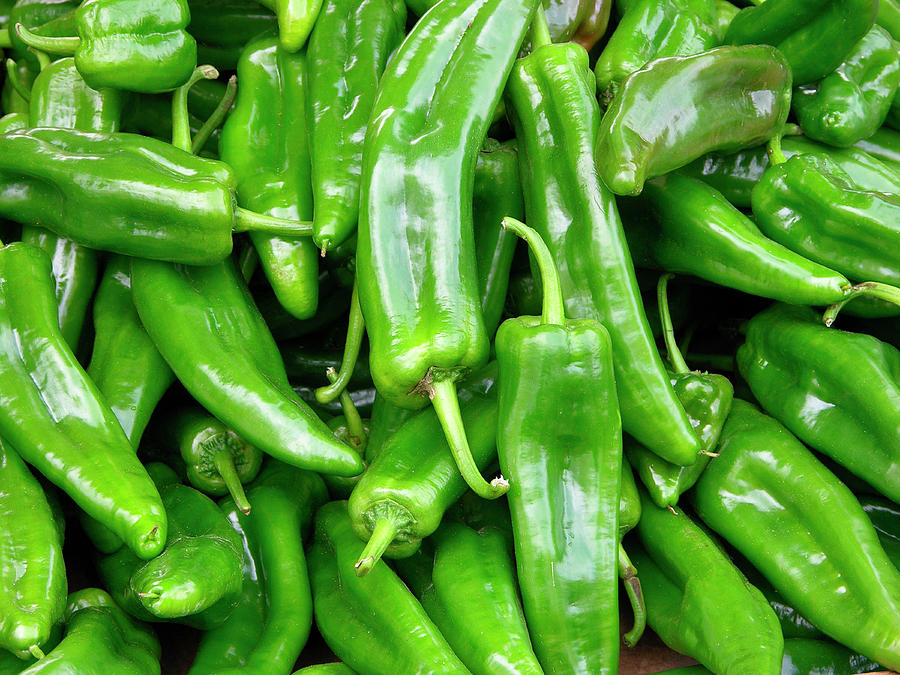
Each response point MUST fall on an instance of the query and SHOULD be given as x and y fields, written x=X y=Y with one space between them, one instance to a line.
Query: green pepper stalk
x=119 y=46
x=33 y=573
x=565 y=476
x=216 y=117
x=356 y=327
x=706 y=398
x=265 y=141
x=771 y=499
x=434 y=105
x=375 y=625
x=12 y=76
x=629 y=515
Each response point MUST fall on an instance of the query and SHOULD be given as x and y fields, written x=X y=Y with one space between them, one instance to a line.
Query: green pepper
x=550 y=97
x=100 y=638
x=885 y=145
x=46 y=17
x=594 y=23
x=296 y=19
x=434 y=105
x=706 y=398
x=196 y=580
x=565 y=475
x=223 y=28
x=698 y=602
x=236 y=373
x=814 y=36
x=652 y=29
x=773 y=501
x=185 y=205
x=326 y=669
x=32 y=574
x=386 y=420
x=348 y=50
x=124 y=44
x=265 y=141
x=838 y=391
x=452 y=583
x=284 y=499
x=374 y=625
x=850 y=103
x=793 y=623
x=404 y=493
x=681 y=224
x=13 y=122
x=676 y=109
x=51 y=410
x=885 y=518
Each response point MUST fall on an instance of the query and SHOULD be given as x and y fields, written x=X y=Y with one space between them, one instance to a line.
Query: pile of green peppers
x=344 y=333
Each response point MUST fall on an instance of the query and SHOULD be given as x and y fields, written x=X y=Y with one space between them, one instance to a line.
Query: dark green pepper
x=223 y=27
x=565 y=475
x=678 y=108
x=770 y=498
x=850 y=103
x=126 y=44
x=813 y=35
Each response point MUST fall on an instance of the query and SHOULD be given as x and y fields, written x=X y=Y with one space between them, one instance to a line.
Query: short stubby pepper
x=771 y=499
x=563 y=456
x=676 y=109
x=838 y=391
x=813 y=35
x=811 y=206
x=124 y=44
x=850 y=103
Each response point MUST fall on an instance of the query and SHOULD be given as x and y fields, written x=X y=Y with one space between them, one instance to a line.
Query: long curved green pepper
x=467 y=566
x=265 y=141
x=698 y=602
x=553 y=89
x=348 y=50
x=706 y=398
x=32 y=573
x=375 y=625
x=564 y=492
x=431 y=116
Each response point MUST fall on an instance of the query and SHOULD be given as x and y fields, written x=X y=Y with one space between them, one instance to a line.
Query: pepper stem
x=217 y=116
x=181 y=125
x=382 y=536
x=872 y=289
x=776 y=154
x=662 y=299
x=446 y=405
x=628 y=574
x=36 y=652
x=64 y=46
x=355 y=428
x=553 y=310
x=13 y=76
x=540 y=29
x=251 y=221
x=356 y=329
x=223 y=460
x=42 y=58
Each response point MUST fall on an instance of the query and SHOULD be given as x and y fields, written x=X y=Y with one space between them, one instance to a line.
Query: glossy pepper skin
x=404 y=493
x=284 y=500
x=698 y=602
x=223 y=28
x=723 y=99
x=32 y=575
x=296 y=19
x=706 y=398
x=264 y=140
x=125 y=364
x=811 y=206
x=564 y=488
x=60 y=98
x=126 y=44
x=814 y=36
x=850 y=103
x=196 y=580
x=348 y=50
x=576 y=216
x=651 y=29
x=375 y=625
x=100 y=638
x=837 y=391
x=51 y=420
x=770 y=498
x=451 y=583
x=885 y=518
x=46 y=17
x=176 y=304
x=885 y=145
x=430 y=118
x=386 y=419
x=683 y=225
